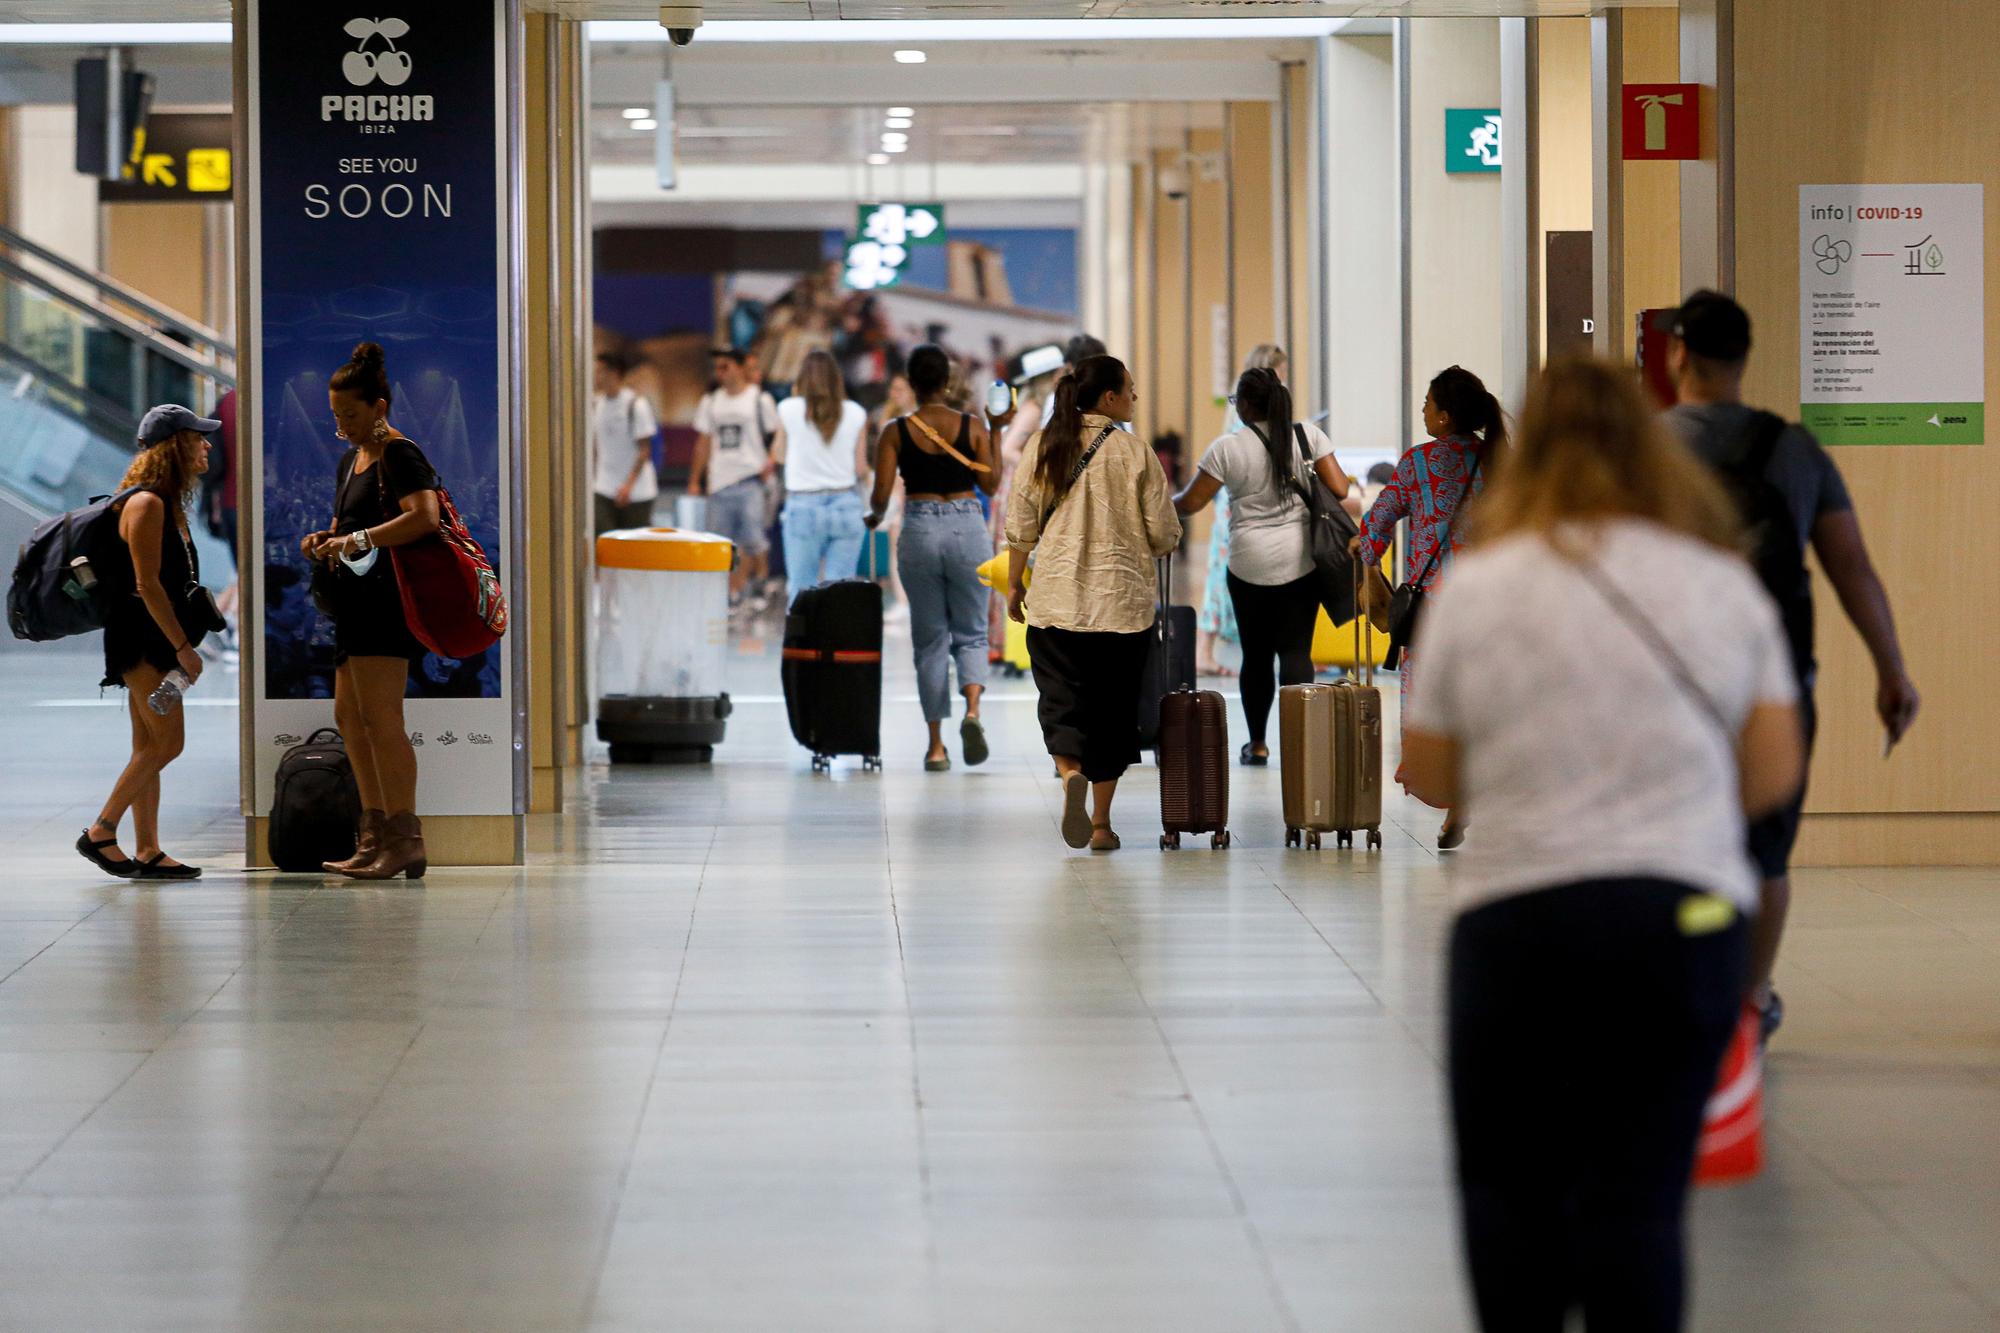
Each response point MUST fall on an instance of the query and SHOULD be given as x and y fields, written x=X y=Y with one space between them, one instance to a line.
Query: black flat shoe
x=93 y=852
x=150 y=868
x=1249 y=757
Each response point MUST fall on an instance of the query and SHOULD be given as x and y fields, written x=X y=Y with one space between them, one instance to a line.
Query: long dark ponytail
x=1062 y=439
x=1263 y=401
x=1462 y=396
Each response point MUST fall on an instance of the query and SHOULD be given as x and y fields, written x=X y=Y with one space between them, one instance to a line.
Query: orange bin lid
x=671 y=549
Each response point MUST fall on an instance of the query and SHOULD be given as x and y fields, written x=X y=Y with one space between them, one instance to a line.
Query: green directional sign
x=901 y=224
x=1471 y=140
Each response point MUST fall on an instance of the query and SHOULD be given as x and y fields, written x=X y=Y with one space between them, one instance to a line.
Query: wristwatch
x=362 y=542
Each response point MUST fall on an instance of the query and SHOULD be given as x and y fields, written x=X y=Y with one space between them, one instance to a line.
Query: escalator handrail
x=100 y=413
x=200 y=334
x=131 y=328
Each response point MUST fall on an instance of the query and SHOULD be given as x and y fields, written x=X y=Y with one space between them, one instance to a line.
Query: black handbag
x=1406 y=599
x=1330 y=532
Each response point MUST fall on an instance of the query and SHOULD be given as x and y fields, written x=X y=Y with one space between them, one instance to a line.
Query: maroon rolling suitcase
x=1193 y=754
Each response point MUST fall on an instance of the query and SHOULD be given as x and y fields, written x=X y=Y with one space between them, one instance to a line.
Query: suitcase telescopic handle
x=1164 y=570
x=1364 y=629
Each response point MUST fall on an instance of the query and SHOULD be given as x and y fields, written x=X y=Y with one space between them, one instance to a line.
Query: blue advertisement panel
x=379 y=214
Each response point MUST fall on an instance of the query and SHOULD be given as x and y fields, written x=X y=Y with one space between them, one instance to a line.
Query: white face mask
x=360 y=564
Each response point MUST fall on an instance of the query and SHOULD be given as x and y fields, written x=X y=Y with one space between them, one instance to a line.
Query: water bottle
x=169 y=692
x=999 y=398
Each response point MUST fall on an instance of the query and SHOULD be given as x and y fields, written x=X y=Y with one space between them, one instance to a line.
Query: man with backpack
x=1791 y=496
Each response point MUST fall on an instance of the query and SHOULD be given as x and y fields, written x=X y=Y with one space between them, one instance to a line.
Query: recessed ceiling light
x=895 y=139
x=899 y=122
x=647 y=124
x=911 y=57
x=895 y=148
x=878 y=159
x=638 y=112
x=902 y=111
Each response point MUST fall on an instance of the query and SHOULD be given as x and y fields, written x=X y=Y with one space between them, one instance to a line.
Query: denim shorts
x=737 y=512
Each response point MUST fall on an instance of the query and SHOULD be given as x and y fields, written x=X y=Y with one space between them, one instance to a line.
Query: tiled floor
x=746 y=1048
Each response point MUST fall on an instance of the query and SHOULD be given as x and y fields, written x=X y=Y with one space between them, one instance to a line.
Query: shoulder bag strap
x=944 y=445
x=1649 y=634
x=1444 y=535
x=1076 y=472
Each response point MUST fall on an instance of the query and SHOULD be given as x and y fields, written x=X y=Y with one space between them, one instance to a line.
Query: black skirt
x=1089 y=684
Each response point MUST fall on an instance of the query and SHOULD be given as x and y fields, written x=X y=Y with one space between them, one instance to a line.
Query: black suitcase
x=1169 y=667
x=833 y=671
x=316 y=807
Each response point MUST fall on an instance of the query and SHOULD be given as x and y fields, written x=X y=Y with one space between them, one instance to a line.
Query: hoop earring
x=381 y=431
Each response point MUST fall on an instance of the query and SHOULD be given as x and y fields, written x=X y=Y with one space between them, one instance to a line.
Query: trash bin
x=662 y=636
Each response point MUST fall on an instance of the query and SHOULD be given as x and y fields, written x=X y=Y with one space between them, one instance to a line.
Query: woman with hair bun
x=386 y=495
x=1433 y=481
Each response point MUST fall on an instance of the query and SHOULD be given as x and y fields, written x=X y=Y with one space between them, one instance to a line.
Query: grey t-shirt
x=1801 y=470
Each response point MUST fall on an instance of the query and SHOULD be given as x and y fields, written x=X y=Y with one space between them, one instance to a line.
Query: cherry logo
x=362 y=66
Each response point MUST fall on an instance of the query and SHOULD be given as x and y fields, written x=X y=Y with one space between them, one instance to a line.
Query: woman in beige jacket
x=1092 y=505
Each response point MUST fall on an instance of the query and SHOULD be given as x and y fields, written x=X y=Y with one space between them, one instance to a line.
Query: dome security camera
x=1174 y=182
x=680 y=21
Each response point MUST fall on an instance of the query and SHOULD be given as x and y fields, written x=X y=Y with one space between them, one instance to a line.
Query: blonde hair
x=825 y=392
x=166 y=467
x=1590 y=448
x=1266 y=356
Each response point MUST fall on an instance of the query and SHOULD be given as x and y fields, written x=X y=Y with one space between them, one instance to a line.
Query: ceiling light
x=637 y=112
x=878 y=159
x=911 y=57
x=899 y=122
x=895 y=148
x=892 y=139
x=902 y=111
x=647 y=124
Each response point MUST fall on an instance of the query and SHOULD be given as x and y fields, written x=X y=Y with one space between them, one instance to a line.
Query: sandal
x=972 y=736
x=93 y=852
x=1249 y=757
x=152 y=868
x=1110 y=841
x=1076 y=816
x=942 y=764
x=1452 y=836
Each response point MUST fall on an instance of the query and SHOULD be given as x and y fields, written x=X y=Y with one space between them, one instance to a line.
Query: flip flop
x=1076 y=812
x=93 y=852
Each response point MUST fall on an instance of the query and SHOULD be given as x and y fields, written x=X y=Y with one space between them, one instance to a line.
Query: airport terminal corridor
x=747 y=1047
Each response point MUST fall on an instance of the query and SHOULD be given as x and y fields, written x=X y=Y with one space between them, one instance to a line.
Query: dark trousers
x=611 y=516
x=1089 y=685
x=1274 y=621
x=1587 y=1024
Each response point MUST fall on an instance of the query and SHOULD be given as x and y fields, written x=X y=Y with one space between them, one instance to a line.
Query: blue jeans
x=944 y=542
x=822 y=537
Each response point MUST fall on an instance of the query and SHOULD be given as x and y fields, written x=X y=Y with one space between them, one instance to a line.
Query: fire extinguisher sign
x=1662 y=122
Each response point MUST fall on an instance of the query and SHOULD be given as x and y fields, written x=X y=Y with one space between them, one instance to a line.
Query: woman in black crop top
x=943 y=457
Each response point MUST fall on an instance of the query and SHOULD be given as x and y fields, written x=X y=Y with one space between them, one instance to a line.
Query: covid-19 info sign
x=378 y=212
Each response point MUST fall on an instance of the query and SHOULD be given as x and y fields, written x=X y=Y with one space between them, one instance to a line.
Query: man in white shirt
x=622 y=427
x=738 y=425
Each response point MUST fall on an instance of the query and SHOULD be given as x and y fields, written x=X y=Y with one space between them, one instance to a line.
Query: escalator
x=81 y=359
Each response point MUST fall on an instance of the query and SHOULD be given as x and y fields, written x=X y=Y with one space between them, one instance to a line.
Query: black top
x=130 y=636
x=928 y=473
x=367 y=499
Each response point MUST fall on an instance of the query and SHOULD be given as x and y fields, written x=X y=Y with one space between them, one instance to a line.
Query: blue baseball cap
x=170 y=419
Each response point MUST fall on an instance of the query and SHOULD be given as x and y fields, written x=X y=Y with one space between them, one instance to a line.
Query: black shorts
x=368 y=615
x=1771 y=837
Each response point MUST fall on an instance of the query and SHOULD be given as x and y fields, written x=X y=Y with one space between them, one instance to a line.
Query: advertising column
x=380 y=211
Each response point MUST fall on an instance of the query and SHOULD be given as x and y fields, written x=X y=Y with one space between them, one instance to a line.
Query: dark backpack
x=65 y=572
x=1777 y=547
x=317 y=805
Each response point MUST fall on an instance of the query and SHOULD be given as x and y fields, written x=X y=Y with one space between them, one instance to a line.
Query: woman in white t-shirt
x=1271 y=580
x=822 y=450
x=1606 y=686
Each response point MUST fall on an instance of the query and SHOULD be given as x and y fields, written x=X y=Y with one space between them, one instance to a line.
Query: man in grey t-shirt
x=1707 y=357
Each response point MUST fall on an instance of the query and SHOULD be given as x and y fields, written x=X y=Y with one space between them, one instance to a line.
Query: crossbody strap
x=1649 y=634
x=943 y=444
x=1444 y=536
x=1076 y=472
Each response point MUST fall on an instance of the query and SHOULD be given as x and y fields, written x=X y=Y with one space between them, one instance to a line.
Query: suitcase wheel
x=1291 y=836
x=1311 y=841
x=1344 y=838
x=1169 y=841
x=871 y=763
x=1219 y=839
x=1375 y=840
x=822 y=763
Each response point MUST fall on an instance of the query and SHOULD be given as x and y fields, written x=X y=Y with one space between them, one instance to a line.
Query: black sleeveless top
x=926 y=473
x=130 y=636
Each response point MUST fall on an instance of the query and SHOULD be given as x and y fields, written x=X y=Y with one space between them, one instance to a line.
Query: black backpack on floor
x=317 y=806
x=60 y=576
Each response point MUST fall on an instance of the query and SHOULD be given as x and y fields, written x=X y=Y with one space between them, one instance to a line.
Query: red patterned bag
x=451 y=596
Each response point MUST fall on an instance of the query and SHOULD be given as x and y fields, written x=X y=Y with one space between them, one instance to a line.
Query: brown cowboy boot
x=402 y=851
x=367 y=843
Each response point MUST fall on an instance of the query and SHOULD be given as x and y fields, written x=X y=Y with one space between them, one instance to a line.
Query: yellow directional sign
x=176 y=158
x=208 y=170
x=158 y=169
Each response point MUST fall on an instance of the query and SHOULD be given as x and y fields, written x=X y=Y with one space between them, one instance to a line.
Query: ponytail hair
x=1263 y=401
x=365 y=375
x=1463 y=397
x=1078 y=392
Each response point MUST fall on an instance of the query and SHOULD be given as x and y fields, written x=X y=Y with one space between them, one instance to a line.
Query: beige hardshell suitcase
x=1330 y=741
